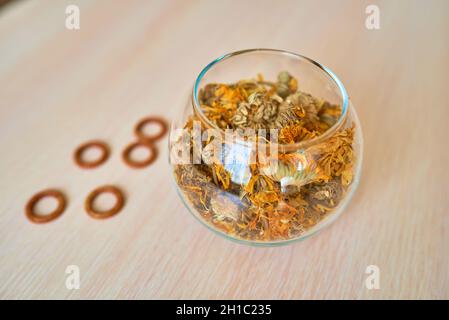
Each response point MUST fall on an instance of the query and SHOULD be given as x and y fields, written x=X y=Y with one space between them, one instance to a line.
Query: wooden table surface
x=60 y=87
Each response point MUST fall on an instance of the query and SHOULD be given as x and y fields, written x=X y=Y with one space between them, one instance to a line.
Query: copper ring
x=29 y=208
x=138 y=130
x=89 y=203
x=91 y=144
x=139 y=164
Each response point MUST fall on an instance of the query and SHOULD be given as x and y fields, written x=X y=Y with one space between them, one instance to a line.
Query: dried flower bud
x=265 y=201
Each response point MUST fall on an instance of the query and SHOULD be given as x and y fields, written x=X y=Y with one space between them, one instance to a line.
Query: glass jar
x=252 y=188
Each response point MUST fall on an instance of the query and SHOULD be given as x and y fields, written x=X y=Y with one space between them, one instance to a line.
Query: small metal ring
x=126 y=155
x=89 y=203
x=29 y=208
x=138 y=130
x=78 y=155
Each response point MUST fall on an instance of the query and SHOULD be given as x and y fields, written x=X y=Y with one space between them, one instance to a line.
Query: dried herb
x=262 y=201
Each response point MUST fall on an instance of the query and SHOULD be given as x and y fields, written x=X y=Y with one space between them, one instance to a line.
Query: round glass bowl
x=253 y=186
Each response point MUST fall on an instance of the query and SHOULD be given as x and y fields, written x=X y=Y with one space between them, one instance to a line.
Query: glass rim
x=326 y=70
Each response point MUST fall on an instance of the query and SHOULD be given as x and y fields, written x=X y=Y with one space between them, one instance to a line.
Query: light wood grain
x=59 y=88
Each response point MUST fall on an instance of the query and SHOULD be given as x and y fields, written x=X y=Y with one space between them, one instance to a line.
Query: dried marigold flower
x=270 y=200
